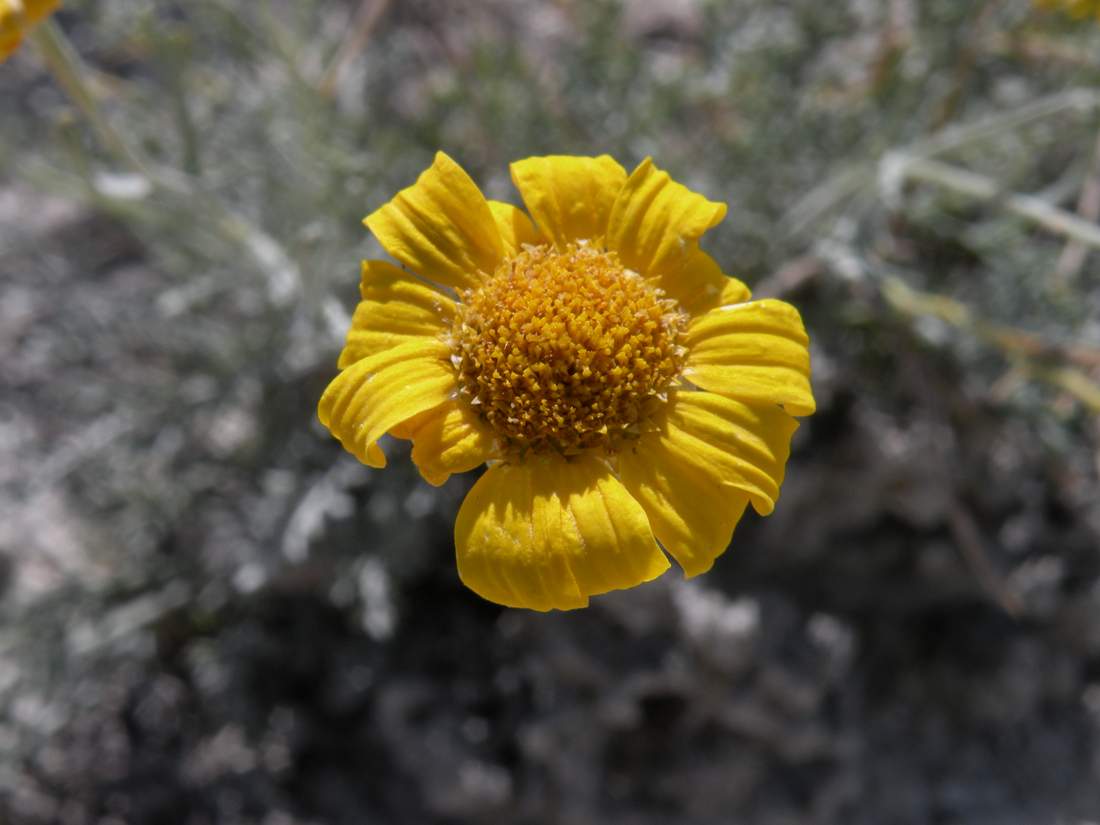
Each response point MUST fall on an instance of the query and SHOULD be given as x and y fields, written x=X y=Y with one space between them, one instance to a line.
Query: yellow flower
x=1076 y=8
x=622 y=389
x=17 y=17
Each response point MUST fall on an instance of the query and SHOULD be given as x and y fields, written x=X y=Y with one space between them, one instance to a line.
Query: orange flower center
x=566 y=351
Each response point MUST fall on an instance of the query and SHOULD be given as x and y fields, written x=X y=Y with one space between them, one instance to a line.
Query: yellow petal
x=36 y=10
x=405 y=429
x=396 y=308
x=448 y=439
x=9 y=43
x=515 y=227
x=696 y=472
x=700 y=285
x=756 y=352
x=569 y=197
x=655 y=222
x=377 y=393
x=692 y=514
x=441 y=227
x=549 y=533
x=747 y=445
x=11 y=29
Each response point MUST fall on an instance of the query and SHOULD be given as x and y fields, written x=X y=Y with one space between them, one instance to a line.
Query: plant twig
x=849 y=182
x=1040 y=48
x=898 y=167
x=1061 y=366
x=1080 y=99
x=1088 y=207
x=69 y=70
x=790 y=277
x=358 y=35
x=827 y=197
x=968 y=538
x=964 y=64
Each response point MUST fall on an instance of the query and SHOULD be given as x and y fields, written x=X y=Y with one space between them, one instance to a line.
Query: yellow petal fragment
x=695 y=474
x=515 y=227
x=569 y=197
x=37 y=10
x=9 y=42
x=700 y=285
x=441 y=227
x=396 y=308
x=1078 y=9
x=377 y=393
x=11 y=29
x=655 y=222
x=757 y=352
x=747 y=445
x=446 y=440
x=549 y=533
x=406 y=428
x=692 y=514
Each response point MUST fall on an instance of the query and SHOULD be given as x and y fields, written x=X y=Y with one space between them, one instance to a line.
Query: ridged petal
x=441 y=227
x=515 y=227
x=569 y=197
x=396 y=309
x=549 y=533
x=655 y=222
x=700 y=285
x=696 y=472
x=756 y=352
x=377 y=393
x=747 y=445
x=692 y=514
x=448 y=439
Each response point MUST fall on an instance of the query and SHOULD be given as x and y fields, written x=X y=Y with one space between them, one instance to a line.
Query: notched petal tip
x=449 y=439
x=569 y=197
x=441 y=227
x=377 y=393
x=549 y=533
x=375 y=457
x=515 y=227
x=700 y=285
x=655 y=222
x=395 y=308
x=756 y=352
x=695 y=474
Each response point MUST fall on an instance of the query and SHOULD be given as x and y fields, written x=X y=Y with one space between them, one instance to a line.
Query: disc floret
x=564 y=351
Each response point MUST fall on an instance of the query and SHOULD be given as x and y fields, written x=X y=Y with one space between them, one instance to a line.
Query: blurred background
x=210 y=613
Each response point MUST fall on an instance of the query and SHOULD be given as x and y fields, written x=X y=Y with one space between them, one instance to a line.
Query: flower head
x=1079 y=9
x=17 y=17
x=622 y=389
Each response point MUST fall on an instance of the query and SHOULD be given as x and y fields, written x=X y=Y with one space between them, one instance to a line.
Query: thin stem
x=899 y=167
x=1088 y=208
x=824 y=199
x=1080 y=100
x=851 y=181
x=1036 y=357
x=283 y=276
x=1039 y=48
x=964 y=65
x=71 y=72
x=358 y=35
